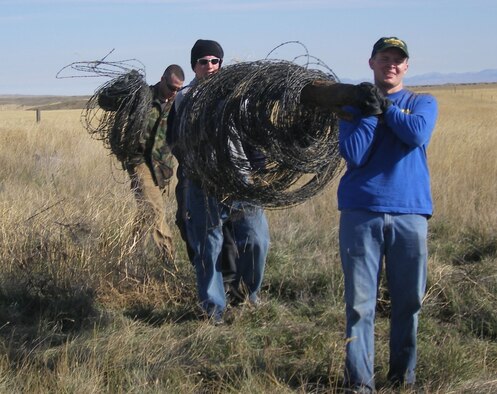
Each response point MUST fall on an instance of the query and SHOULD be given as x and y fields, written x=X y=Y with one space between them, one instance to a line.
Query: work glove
x=385 y=102
x=162 y=172
x=369 y=99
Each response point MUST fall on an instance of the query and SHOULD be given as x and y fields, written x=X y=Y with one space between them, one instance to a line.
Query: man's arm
x=356 y=139
x=415 y=126
x=333 y=96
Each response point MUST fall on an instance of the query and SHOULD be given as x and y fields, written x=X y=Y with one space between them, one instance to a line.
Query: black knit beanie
x=206 y=48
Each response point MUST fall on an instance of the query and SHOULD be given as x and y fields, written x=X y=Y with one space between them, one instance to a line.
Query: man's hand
x=368 y=98
x=162 y=174
x=384 y=102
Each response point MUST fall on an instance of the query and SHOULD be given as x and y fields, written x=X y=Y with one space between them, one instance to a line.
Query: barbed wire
x=101 y=68
x=117 y=111
x=245 y=114
x=117 y=114
x=305 y=59
x=256 y=106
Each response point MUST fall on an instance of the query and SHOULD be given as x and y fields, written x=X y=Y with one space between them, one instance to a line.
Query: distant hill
x=45 y=102
x=429 y=79
x=484 y=76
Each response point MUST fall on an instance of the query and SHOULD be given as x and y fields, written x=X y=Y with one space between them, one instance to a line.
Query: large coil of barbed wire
x=117 y=114
x=255 y=106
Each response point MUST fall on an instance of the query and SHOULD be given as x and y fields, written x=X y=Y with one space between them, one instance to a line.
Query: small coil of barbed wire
x=117 y=111
x=256 y=106
x=117 y=115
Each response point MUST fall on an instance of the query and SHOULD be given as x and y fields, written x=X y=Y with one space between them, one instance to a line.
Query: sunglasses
x=203 y=62
x=172 y=88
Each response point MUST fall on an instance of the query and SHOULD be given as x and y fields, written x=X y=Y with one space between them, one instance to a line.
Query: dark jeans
x=206 y=219
x=229 y=252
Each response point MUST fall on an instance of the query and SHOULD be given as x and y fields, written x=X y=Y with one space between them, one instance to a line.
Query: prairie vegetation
x=82 y=310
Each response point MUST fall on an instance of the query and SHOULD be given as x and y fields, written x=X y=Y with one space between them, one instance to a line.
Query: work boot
x=233 y=296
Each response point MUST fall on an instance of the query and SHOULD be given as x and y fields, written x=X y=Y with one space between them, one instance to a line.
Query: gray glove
x=369 y=99
x=384 y=103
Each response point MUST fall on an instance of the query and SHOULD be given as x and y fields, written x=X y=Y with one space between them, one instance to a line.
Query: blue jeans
x=251 y=233
x=366 y=238
x=204 y=227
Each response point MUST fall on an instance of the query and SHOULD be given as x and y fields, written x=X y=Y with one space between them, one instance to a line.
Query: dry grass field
x=82 y=310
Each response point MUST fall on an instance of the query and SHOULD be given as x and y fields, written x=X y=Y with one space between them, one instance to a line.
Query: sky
x=38 y=38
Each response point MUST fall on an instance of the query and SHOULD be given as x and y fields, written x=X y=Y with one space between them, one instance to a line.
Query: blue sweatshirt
x=387 y=169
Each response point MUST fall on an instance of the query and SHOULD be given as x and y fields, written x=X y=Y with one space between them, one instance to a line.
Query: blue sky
x=38 y=38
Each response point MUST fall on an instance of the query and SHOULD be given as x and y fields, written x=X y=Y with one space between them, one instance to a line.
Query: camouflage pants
x=150 y=219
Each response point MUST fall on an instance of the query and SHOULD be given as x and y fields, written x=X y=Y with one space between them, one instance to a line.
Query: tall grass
x=462 y=158
x=83 y=309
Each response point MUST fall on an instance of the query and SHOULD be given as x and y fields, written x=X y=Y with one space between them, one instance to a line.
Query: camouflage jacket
x=158 y=155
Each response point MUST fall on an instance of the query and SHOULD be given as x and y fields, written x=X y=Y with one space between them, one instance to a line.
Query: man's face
x=206 y=65
x=171 y=86
x=389 y=67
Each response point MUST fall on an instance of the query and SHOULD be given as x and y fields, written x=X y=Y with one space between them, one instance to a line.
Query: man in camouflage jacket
x=150 y=174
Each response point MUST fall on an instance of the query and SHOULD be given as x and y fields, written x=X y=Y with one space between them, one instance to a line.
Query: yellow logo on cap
x=395 y=42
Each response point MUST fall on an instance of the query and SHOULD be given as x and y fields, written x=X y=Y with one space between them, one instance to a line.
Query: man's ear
x=370 y=63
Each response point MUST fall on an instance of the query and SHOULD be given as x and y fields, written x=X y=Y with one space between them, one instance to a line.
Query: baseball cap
x=389 y=42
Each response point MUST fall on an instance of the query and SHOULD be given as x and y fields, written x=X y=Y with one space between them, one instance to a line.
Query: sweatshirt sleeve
x=356 y=139
x=415 y=125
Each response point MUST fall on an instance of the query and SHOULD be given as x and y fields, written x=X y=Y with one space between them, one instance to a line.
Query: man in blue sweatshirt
x=385 y=202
